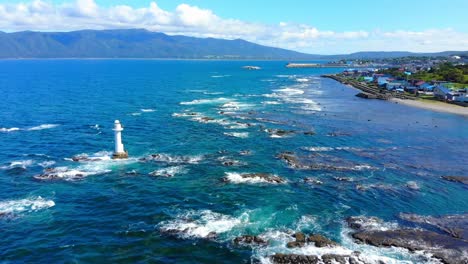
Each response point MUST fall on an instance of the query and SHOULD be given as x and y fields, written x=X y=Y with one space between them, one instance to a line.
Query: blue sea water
x=198 y=115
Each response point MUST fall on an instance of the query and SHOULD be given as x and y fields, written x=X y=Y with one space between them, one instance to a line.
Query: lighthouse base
x=120 y=155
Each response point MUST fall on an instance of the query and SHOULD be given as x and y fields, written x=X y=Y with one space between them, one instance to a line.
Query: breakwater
x=368 y=91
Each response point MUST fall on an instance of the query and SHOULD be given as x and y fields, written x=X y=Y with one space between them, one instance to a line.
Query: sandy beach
x=434 y=106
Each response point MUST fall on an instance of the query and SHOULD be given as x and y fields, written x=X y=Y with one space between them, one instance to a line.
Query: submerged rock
x=279 y=132
x=60 y=173
x=459 y=179
x=454 y=225
x=265 y=177
x=448 y=248
x=291 y=159
x=249 y=240
x=346 y=179
x=312 y=180
x=363 y=222
x=295 y=162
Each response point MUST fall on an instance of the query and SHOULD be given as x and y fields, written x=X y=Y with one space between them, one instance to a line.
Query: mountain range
x=140 y=43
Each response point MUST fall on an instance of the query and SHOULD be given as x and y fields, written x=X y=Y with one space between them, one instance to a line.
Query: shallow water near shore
x=210 y=123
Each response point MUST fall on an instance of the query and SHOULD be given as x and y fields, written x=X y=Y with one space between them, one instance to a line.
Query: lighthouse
x=119 y=152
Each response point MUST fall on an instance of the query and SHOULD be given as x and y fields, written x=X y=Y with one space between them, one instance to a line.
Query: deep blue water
x=116 y=211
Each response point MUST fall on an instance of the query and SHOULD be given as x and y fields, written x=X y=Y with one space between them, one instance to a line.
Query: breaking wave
x=202 y=224
x=237 y=134
x=14 y=207
x=206 y=101
x=169 y=171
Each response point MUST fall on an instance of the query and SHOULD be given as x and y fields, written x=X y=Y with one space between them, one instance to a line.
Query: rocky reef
x=459 y=179
x=450 y=246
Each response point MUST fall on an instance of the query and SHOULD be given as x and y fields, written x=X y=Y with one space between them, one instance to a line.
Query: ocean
x=205 y=142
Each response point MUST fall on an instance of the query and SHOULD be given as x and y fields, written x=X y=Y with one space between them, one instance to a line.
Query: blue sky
x=325 y=27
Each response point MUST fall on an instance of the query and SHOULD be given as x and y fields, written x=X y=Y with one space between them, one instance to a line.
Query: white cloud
x=200 y=22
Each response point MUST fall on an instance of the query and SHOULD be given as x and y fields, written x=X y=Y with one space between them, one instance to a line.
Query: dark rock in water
x=207 y=119
x=347 y=179
x=446 y=248
x=79 y=158
x=245 y=152
x=294 y=162
x=279 y=132
x=338 y=133
x=321 y=241
x=454 y=225
x=312 y=259
x=412 y=185
x=300 y=237
x=294 y=258
x=250 y=240
x=450 y=249
x=132 y=172
x=459 y=179
x=295 y=244
x=366 y=95
x=312 y=180
x=211 y=235
x=265 y=176
x=363 y=222
x=309 y=133
x=291 y=159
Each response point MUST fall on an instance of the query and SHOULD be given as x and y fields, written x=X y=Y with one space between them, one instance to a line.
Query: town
x=438 y=79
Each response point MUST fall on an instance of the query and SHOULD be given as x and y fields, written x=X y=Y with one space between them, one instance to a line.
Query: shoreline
x=404 y=100
x=435 y=106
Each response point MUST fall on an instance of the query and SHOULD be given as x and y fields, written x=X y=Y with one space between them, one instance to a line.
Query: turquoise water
x=199 y=115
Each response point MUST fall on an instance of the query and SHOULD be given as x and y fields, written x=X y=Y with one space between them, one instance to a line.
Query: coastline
x=405 y=100
x=434 y=106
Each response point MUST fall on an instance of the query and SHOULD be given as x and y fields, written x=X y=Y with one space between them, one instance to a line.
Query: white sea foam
x=4 y=129
x=206 y=101
x=238 y=125
x=170 y=171
x=290 y=91
x=237 y=178
x=302 y=80
x=70 y=174
x=46 y=164
x=237 y=134
x=278 y=239
x=220 y=76
x=234 y=106
x=202 y=224
x=187 y=114
x=33 y=204
x=147 y=110
x=42 y=127
x=318 y=149
x=136 y=114
x=18 y=164
x=213 y=93
x=271 y=103
x=172 y=159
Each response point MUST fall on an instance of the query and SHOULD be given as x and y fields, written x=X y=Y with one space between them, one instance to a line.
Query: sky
x=317 y=27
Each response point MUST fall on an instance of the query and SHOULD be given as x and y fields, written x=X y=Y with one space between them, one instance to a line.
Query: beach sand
x=434 y=106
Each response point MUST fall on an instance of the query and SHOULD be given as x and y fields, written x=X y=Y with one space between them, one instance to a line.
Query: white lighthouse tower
x=119 y=152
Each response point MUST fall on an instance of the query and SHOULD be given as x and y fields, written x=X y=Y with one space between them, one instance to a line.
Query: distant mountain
x=390 y=54
x=140 y=43
x=132 y=43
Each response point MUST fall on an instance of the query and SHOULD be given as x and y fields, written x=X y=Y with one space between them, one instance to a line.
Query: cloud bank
x=199 y=22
